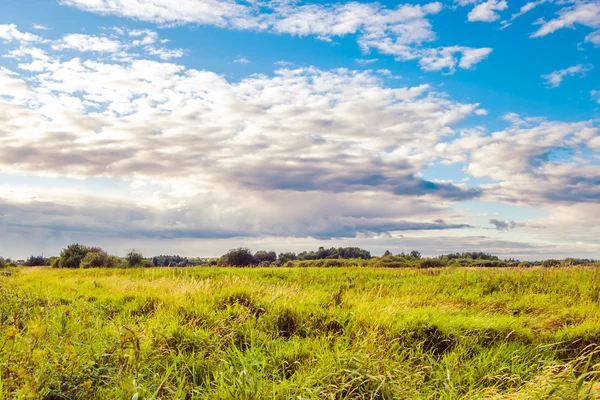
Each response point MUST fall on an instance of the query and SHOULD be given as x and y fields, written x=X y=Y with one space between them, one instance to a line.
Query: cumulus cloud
x=547 y=164
x=486 y=12
x=582 y=12
x=9 y=33
x=555 y=78
x=339 y=147
x=399 y=31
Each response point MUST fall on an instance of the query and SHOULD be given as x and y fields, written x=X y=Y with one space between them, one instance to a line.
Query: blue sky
x=197 y=126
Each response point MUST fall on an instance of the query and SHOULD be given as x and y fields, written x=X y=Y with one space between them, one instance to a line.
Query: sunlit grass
x=264 y=333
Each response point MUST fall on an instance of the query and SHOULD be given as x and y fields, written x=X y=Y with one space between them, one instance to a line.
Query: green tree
x=241 y=257
x=415 y=254
x=37 y=261
x=285 y=257
x=265 y=256
x=95 y=258
x=72 y=255
x=134 y=258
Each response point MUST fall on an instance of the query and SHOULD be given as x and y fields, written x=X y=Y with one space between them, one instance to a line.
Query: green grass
x=304 y=333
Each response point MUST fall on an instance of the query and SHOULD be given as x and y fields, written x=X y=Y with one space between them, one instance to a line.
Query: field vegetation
x=299 y=333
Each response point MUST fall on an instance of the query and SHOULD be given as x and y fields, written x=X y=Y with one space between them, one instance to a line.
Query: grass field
x=304 y=333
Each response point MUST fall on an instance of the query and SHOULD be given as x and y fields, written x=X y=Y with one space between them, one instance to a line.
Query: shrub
x=2 y=262
x=430 y=263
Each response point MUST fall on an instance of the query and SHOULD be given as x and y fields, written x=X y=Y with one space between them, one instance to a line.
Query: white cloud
x=40 y=27
x=399 y=31
x=449 y=58
x=366 y=61
x=12 y=87
x=147 y=36
x=241 y=60
x=595 y=94
x=555 y=78
x=584 y=13
x=593 y=38
x=164 y=53
x=486 y=12
x=8 y=33
x=522 y=11
x=542 y=169
x=81 y=42
x=463 y=3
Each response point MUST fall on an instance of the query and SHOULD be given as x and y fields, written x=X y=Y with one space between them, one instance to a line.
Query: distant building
x=20 y=261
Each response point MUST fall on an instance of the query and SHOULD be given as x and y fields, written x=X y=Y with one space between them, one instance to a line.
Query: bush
x=2 y=262
x=430 y=263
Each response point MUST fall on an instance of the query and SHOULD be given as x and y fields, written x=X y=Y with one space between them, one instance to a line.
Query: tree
x=387 y=253
x=285 y=257
x=551 y=263
x=72 y=255
x=36 y=261
x=241 y=257
x=134 y=258
x=265 y=256
x=430 y=263
x=2 y=262
x=95 y=258
x=415 y=254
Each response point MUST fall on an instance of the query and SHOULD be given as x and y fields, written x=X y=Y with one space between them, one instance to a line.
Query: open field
x=303 y=333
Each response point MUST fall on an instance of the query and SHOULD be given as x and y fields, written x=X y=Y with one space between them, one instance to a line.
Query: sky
x=192 y=127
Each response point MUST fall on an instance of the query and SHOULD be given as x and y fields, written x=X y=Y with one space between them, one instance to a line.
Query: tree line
x=81 y=256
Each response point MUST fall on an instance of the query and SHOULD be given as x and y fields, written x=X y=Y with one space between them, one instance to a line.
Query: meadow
x=300 y=333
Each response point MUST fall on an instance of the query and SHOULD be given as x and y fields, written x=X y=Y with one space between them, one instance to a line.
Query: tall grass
x=262 y=333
